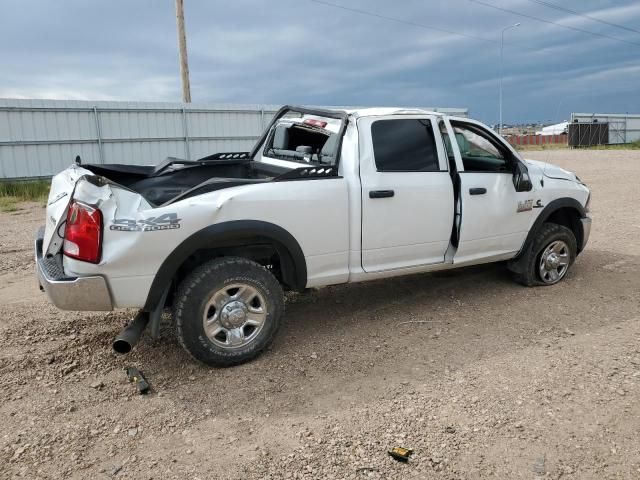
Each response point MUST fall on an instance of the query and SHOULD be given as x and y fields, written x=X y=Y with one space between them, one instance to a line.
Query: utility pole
x=501 y=68
x=182 y=52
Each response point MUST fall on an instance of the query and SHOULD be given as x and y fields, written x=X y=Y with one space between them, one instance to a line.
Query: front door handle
x=477 y=191
x=381 y=193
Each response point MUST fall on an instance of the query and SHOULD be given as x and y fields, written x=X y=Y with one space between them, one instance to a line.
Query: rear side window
x=404 y=145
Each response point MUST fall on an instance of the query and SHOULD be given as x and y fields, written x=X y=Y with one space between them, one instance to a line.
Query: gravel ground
x=491 y=380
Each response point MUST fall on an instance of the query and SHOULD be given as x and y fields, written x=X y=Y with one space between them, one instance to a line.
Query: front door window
x=480 y=152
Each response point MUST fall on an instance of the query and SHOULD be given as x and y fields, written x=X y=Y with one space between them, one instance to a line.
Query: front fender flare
x=555 y=205
x=548 y=210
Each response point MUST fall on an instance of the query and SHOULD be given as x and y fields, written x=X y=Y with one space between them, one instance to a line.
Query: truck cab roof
x=379 y=111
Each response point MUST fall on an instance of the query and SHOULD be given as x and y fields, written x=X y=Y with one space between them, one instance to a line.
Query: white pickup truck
x=325 y=197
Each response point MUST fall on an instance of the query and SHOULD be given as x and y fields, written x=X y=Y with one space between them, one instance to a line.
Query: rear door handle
x=477 y=191
x=381 y=193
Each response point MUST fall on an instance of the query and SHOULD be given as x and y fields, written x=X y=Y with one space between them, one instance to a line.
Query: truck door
x=492 y=219
x=407 y=193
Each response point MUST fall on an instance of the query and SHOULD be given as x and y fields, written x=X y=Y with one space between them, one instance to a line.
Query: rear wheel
x=227 y=311
x=552 y=253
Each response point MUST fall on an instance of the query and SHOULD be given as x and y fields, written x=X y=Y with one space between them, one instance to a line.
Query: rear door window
x=404 y=145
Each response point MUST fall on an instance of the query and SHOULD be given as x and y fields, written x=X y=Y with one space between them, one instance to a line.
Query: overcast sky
x=303 y=52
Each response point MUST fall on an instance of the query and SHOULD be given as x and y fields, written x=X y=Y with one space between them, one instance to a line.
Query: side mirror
x=521 y=179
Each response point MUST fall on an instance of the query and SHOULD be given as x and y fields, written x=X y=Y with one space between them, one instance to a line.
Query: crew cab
x=324 y=197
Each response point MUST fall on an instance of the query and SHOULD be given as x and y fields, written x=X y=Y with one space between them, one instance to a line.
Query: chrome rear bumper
x=69 y=293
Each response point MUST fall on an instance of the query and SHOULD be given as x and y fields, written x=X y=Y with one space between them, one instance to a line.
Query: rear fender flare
x=293 y=264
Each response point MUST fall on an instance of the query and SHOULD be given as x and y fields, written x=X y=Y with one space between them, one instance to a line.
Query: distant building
x=622 y=127
x=557 y=129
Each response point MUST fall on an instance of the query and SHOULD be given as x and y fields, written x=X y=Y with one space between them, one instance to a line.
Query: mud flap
x=155 y=316
x=518 y=265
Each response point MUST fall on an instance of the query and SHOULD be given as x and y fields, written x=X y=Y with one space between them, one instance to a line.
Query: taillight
x=315 y=123
x=83 y=233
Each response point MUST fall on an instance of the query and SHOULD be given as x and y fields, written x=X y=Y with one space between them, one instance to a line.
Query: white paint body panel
x=339 y=229
x=413 y=227
x=491 y=224
x=130 y=260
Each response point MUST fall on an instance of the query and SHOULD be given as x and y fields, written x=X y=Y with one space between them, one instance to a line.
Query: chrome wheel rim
x=554 y=262
x=234 y=315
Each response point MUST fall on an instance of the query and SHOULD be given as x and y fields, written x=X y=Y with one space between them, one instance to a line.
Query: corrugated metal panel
x=623 y=127
x=201 y=148
x=41 y=137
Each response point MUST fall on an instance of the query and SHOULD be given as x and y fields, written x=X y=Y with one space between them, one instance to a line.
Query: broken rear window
x=309 y=140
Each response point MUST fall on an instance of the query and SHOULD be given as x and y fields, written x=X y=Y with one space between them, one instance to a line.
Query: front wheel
x=227 y=311
x=552 y=253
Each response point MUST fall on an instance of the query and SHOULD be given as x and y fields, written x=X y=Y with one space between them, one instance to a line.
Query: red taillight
x=83 y=233
x=315 y=123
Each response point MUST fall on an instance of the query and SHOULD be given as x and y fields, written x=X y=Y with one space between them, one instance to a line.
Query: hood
x=550 y=170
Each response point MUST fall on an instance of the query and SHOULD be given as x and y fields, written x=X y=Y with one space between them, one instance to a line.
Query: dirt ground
x=491 y=380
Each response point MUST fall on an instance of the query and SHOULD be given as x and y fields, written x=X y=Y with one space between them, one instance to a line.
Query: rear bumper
x=586 y=231
x=70 y=293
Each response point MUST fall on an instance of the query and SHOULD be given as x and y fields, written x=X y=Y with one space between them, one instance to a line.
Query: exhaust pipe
x=130 y=336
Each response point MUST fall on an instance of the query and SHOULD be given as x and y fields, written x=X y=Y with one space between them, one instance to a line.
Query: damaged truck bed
x=175 y=179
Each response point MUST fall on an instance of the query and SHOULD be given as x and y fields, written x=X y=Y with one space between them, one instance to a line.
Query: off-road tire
x=548 y=233
x=196 y=289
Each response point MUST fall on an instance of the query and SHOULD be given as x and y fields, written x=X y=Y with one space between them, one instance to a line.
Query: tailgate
x=62 y=187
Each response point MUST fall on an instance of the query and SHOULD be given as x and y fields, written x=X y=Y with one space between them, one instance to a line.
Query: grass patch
x=12 y=193
x=8 y=204
x=546 y=146
x=621 y=146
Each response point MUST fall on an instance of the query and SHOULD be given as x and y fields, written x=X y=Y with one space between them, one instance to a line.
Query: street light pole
x=501 y=68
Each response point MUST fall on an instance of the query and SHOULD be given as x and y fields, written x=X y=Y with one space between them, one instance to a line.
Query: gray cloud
x=298 y=51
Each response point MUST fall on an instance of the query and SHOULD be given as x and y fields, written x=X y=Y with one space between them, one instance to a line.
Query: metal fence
x=39 y=138
x=558 y=139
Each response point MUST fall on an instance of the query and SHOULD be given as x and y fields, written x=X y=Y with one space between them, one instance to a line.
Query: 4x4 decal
x=525 y=205
x=167 y=221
